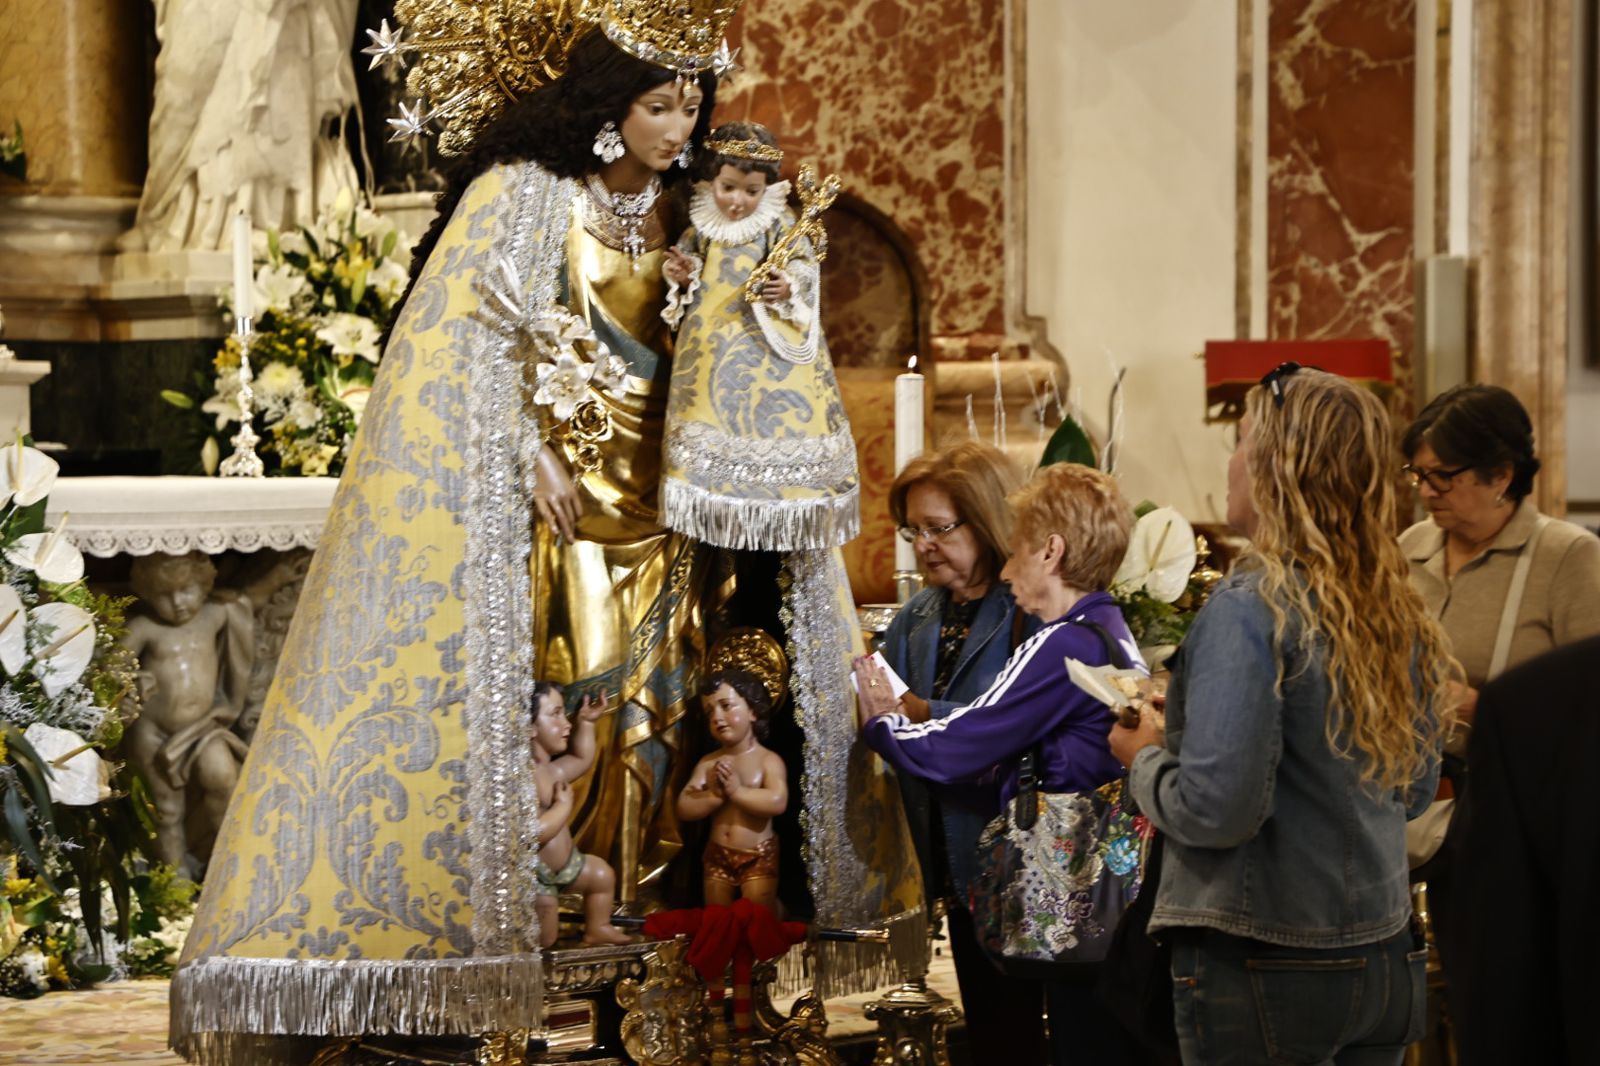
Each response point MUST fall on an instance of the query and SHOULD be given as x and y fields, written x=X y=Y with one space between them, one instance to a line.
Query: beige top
x=1560 y=603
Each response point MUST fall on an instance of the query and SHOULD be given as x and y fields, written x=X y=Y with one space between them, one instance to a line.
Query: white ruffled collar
x=709 y=220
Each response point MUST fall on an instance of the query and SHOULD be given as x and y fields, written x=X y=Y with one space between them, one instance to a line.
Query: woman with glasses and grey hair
x=1507 y=583
x=948 y=644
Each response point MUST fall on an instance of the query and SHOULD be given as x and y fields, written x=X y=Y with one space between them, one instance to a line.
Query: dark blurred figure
x=1519 y=942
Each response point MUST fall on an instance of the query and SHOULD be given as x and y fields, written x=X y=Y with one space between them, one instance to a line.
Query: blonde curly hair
x=1325 y=545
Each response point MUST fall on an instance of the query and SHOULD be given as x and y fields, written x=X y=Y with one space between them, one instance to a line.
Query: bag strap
x=1514 y=596
x=1025 y=808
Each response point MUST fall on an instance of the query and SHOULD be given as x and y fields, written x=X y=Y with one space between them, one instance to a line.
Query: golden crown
x=472 y=57
x=756 y=652
x=681 y=35
x=754 y=151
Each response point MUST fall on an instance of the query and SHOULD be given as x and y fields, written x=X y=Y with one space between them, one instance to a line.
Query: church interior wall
x=1131 y=235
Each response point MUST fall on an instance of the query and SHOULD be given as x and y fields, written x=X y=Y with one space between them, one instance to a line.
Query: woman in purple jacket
x=1071 y=532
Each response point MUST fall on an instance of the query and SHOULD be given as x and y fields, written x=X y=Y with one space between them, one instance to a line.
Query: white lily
x=26 y=474
x=224 y=401
x=77 y=776
x=563 y=384
x=349 y=334
x=1160 y=557
x=277 y=286
x=62 y=643
x=389 y=278
x=293 y=242
x=610 y=370
x=355 y=397
x=13 y=631
x=50 y=555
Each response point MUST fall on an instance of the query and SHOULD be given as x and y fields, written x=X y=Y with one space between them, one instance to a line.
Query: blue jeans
x=1239 y=1002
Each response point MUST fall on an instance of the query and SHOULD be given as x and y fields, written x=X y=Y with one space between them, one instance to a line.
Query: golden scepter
x=814 y=200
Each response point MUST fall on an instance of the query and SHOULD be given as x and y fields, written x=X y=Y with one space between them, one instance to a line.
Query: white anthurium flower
x=355 y=397
x=62 y=643
x=50 y=555
x=26 y=474
x=1160 y=557
x=349 y=334
x=76 y=773
x=13 y=631
x=563 y=384
x=277 y=286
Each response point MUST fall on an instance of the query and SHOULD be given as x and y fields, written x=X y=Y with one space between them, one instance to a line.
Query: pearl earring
x=608 y=143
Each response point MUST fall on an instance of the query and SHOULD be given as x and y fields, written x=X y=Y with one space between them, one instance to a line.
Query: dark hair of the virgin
x=555 y=126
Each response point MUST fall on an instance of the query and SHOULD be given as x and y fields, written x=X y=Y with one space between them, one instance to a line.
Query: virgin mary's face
x=659 y=123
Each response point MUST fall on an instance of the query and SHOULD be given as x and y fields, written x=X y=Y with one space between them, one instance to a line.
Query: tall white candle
x=908 y=417
x=243 y=275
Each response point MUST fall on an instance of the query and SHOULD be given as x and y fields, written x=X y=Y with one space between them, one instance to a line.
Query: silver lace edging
x=236 y=1011
x=819 y=656
x=497 y=599
x=765 y=525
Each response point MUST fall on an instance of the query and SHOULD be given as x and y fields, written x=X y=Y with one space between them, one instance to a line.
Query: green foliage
x=1068 y=444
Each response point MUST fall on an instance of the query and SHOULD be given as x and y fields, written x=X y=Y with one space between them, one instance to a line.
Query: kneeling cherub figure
x=562 y=753
x=742 y=787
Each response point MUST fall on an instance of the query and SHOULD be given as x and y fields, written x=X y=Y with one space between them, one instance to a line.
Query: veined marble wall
x=905 y=100
x=1340 y=115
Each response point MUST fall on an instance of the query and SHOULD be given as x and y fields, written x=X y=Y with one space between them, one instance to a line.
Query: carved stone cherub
x=195 y=652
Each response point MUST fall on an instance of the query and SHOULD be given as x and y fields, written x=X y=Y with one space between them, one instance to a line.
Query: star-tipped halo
x=386 y=44
x=412 y=123
x=724 y=63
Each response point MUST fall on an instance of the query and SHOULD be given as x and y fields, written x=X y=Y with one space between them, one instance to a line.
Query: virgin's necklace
x=629 y=210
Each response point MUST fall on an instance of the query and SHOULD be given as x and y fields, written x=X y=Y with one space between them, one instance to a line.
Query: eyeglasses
x=932 y=533
x=1273 y=379
x=1440 y=481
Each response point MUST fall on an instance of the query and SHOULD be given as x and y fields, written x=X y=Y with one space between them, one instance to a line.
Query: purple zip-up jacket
x=1031 y=702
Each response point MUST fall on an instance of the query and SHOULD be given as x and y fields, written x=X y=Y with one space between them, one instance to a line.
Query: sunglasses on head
x=1273 y=379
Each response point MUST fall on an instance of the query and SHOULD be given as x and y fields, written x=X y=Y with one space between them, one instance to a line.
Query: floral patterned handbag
x=1057 y=871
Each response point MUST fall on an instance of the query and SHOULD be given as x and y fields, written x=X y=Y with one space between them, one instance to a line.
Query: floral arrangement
x=1163 y=581
x=324 y=295
x=72 y=824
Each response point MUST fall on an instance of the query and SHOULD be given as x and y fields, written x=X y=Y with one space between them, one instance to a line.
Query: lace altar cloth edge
x=141 y=515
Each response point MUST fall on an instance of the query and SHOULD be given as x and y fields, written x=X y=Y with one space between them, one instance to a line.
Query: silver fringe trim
x=227 y=1011
x=842 y=968
x=760 y=525
x=497 y=600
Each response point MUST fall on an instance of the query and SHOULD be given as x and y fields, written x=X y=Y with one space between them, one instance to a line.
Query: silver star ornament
x=412 y=123
x=386 y=44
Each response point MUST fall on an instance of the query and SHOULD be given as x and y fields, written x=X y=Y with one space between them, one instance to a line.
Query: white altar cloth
x=140 y=515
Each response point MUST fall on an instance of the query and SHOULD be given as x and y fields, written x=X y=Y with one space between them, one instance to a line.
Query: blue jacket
x=911 y=648
x=1030 y=702
x=1270 y=834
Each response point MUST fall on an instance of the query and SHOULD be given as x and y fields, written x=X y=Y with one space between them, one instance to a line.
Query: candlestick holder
x=244 y=462
x=907 y=583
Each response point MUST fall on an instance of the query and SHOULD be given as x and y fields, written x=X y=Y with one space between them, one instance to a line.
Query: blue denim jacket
x=1270 y=834
x=911 y=647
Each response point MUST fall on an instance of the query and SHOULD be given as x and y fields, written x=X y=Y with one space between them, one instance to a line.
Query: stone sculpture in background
x=251 y=97
x=195 y=650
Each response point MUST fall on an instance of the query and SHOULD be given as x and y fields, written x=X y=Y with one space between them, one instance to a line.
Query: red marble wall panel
x=868 y=296
x=904 y=99
x=1340 y=112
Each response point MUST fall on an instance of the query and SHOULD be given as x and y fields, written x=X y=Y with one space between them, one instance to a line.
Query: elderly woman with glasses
x=1072 y=526
x=1507 y=582
x=948 y=644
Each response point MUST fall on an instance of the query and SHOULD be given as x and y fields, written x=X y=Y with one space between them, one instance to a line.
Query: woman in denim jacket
x=948 y=644
x=1300 y=738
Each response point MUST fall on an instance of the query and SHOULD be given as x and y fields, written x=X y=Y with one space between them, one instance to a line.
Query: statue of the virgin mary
x=375 y=873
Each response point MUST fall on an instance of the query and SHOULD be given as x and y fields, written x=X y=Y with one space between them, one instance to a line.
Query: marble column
x=1521 y=216
x=1340 y=115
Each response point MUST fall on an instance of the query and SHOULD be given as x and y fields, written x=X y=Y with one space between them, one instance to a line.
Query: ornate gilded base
x=912 y=1024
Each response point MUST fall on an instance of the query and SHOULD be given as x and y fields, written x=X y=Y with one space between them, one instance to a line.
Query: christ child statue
x=195 y=652
x=741 y=787
x=757 y=449
x=562 y=753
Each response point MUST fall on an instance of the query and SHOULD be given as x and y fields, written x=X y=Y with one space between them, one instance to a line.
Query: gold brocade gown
x=621 y=609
